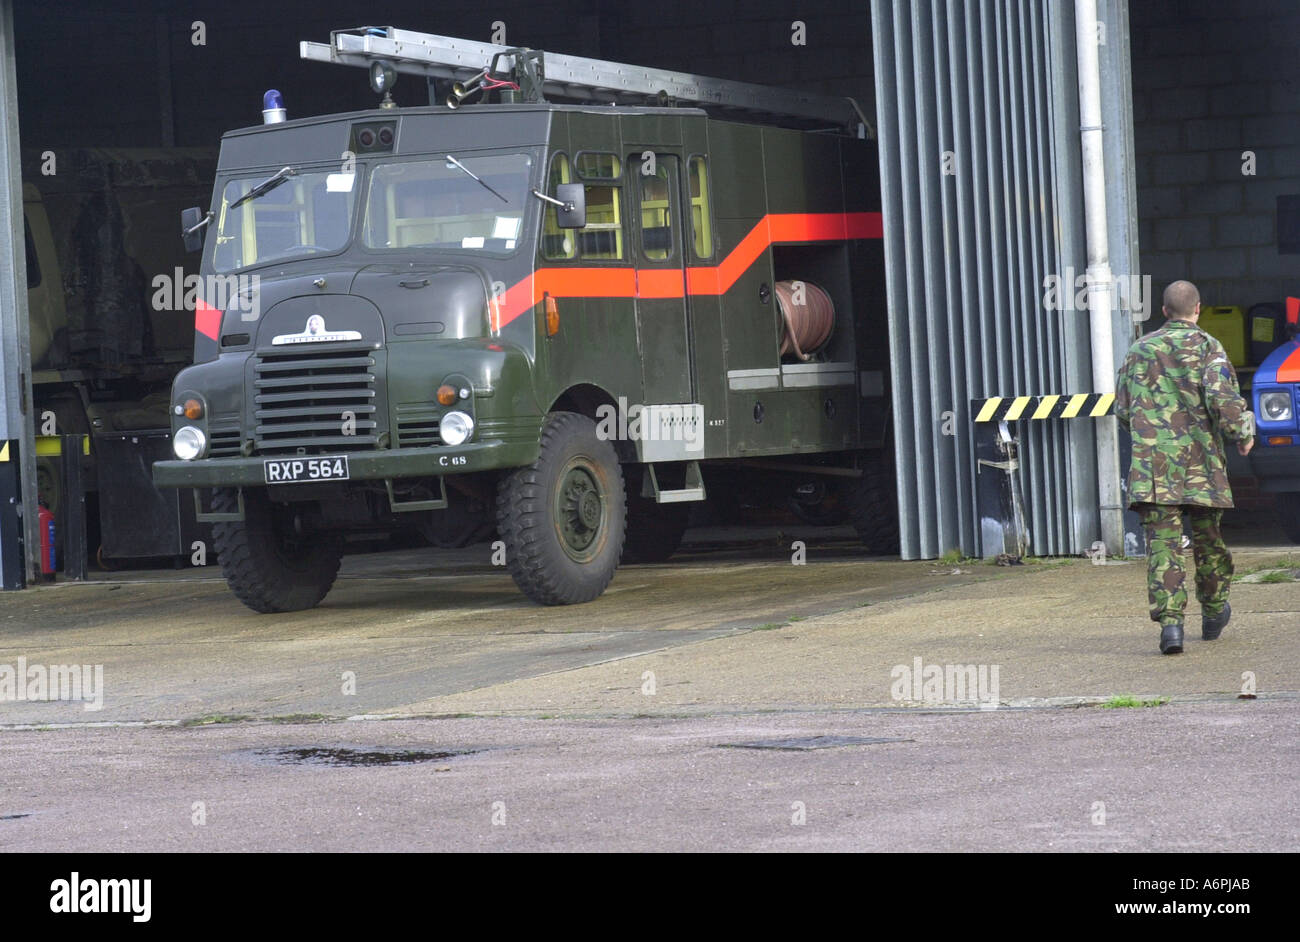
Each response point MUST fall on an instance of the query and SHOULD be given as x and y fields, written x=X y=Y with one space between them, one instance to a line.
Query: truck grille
x=308 y=399
x=418 y=431
x=225 y=442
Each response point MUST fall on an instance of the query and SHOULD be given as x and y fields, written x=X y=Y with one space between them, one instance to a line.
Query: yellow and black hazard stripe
x=1063 y=406
x=46 y=446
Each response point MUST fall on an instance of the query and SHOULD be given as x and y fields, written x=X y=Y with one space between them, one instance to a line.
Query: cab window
x=557 y=243
x=603 y=236
x=306 y=214
x=655 y=179
x=602 y=239
x=468 y=202
x=701 y=227
x=593 y=165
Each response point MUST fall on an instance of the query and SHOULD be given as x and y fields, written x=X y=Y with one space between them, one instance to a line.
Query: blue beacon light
x=273 y=107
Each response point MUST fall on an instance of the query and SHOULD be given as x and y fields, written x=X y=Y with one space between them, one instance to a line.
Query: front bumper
x=384 y=464
x=1276 y=466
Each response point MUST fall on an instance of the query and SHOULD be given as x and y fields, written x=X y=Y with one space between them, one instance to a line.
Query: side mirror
x=192 y=228
x=571 y=195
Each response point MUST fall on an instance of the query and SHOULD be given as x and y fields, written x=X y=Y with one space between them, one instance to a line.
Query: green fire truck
x=579 y=293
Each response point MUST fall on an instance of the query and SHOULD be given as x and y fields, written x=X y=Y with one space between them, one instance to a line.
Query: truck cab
x=46 y=309
x=1275 y=459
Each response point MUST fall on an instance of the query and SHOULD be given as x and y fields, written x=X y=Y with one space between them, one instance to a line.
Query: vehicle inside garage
x=119 y=113
x=704 y=436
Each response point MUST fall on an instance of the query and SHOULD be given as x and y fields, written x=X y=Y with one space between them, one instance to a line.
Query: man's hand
x=1244 y=447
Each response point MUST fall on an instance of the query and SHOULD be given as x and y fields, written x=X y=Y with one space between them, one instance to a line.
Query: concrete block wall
x=1212 y=82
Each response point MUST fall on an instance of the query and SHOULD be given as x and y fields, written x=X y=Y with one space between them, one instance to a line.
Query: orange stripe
x=659 y=283
x=668 y=283
x=1288 y=371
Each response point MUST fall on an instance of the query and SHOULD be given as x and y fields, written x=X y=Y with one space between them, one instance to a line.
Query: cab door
x=662 y=306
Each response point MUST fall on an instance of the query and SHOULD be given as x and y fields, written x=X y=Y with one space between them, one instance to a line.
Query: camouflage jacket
x=1177 y=393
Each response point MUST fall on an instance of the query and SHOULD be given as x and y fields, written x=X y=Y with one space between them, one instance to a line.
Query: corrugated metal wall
x=977 y=118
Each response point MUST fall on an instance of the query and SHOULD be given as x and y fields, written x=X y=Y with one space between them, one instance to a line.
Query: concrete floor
x=600 y=726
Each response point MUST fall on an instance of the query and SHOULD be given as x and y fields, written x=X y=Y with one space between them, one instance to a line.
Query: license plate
x=293 y=470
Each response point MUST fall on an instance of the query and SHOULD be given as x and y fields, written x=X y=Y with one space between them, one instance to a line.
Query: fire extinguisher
x=47 y=541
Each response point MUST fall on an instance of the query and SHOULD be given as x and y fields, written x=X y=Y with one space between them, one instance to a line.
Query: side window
x=557 y=243
x=701 y=216
x=603 y=236
x=33 y=263
x=602 y=239
x=598 y=166
x=656 y=180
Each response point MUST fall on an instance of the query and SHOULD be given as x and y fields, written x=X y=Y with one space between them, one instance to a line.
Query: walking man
x=1177 y=393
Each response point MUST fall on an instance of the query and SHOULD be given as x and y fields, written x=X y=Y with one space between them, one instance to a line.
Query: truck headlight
x=456 y=428
x=189 y=443
x=1276 y=406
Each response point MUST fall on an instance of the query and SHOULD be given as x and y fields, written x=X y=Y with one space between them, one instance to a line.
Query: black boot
x=1212 y=625
x=1171 y=639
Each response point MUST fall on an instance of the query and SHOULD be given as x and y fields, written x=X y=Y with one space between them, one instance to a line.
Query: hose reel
x=807 y=318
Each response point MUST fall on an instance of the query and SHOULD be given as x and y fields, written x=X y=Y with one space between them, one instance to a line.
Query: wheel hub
x=590 y=510
x=581 y=510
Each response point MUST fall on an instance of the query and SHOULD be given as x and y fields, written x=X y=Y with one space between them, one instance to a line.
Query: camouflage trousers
x=1164 y=532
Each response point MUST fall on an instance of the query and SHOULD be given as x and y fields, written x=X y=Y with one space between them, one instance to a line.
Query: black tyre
x=873 y=510
x=465 y=520
x=267 y=565
x=654 y=531
x=1288 y=506
x=819 y=502
x=563 y=517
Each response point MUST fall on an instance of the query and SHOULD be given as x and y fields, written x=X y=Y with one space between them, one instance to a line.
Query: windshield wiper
x=456 y=163
x=266 y=186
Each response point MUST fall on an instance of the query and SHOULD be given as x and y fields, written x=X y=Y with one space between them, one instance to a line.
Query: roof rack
x=537 y=74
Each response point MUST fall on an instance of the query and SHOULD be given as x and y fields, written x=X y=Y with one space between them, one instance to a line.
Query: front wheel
x=562 y=518
x=1288 y=505
x=267 y=564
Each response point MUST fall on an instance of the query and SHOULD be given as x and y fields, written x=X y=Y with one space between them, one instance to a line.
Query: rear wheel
x=563 y=517
x=873 y=510
x=654 y=531
x=267 y=564
x=819 y=502
x=1288 y=505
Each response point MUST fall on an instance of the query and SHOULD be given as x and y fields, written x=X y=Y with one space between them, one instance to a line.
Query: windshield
x=305 y=213
x=449 y=202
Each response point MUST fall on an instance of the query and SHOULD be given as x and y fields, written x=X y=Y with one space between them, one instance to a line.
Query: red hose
x=806 y=326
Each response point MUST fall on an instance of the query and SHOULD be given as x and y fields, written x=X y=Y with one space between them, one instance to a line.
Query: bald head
x=1181 y=300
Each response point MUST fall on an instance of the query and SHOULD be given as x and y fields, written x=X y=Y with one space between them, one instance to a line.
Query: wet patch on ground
x=807 y=743
x=357 y=758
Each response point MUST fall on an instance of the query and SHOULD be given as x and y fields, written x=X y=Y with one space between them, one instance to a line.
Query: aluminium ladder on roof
x=579 y=78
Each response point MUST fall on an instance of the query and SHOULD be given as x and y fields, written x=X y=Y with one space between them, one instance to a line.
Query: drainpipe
x=1100 y=280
